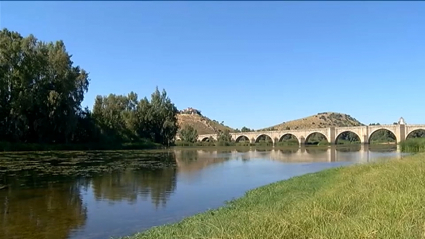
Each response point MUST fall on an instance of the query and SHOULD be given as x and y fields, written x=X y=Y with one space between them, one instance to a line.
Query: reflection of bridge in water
x=203 y=158
x=189 y=160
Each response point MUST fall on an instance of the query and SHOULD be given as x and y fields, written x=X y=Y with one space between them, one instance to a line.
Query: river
x=99 y=194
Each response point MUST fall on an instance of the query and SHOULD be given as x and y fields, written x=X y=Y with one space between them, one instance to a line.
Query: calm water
x=118 y=193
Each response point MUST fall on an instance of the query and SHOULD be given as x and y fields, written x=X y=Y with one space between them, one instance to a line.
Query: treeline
x=189 y=137
x=41 y=91
x=244 y=129
x=126 y=119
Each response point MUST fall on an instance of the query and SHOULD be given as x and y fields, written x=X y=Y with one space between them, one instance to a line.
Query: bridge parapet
x=416 y=126
x=382 y=125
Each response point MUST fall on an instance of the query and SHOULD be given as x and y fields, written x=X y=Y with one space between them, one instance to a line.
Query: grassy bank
x=413 y=145
x=7 y=146
x=375 y=200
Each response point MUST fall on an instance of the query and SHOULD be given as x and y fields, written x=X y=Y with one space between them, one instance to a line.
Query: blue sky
x=251 y=64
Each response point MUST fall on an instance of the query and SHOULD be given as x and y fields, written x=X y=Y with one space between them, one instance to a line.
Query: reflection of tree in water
x=382 y=148
x=243 y=150
x=245 y=158
x=289 y=150
x=224 y=152
x=129 y=185
x=194 y=161
x=351 y=148
x=189 y=155
x=42 y=198
x=48 y=213
x=262 y=149
x=314 y=150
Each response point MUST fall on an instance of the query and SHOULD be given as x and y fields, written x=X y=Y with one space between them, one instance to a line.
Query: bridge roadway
x=400 y=130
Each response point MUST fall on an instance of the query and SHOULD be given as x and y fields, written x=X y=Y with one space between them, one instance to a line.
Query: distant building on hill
x=190 y=111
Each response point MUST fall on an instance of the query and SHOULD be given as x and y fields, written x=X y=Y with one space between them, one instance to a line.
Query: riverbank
x=7 y=146
x=14 y=147
x=413 y=145
x=279 y=144
x=376 y=200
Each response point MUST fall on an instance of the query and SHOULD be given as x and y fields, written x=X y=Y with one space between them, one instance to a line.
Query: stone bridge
x=400 y=130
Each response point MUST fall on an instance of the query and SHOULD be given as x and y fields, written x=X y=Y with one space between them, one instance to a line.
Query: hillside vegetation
x=202 y=124
x=320 y=120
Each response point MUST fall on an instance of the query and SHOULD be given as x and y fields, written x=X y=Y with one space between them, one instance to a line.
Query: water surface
x=100 y=194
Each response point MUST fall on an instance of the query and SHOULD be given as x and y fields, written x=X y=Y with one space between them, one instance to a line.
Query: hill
x=320 y=120
x=202 y=124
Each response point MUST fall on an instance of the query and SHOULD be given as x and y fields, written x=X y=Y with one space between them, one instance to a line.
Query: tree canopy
x=41 y=91
x=189 y=134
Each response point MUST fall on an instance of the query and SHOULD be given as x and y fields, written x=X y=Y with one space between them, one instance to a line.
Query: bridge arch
x=315 y=133
x=266 y=137
x=382 y=129
x=416 y=133
x=242 y=137
x=337 y=137
x=289 y=138
x=205 y=139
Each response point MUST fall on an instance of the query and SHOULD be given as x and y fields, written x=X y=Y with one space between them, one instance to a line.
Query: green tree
x=162 y=115
x=189 y=134
x=87 y=130
x=114 y=115
x=245 y=129
x=124 y=118
x=40 y=90
x=224 y=137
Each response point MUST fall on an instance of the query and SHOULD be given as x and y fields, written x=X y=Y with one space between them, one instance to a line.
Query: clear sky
x=251 y=64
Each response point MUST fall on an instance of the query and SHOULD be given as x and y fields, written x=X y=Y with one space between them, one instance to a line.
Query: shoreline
x=34 y=147
x=28 y=147
x=382 y=198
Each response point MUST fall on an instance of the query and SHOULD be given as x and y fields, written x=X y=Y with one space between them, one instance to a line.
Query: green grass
x=413 y=145
x=375 y=200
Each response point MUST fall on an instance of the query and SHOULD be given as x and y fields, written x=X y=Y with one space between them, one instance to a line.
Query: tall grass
x=413 y=145
x=375 y=200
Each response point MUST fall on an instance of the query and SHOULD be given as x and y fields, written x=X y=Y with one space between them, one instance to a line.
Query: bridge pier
x=331 y=135
x=301 y=140
x=364 y=139
x=400 y=133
